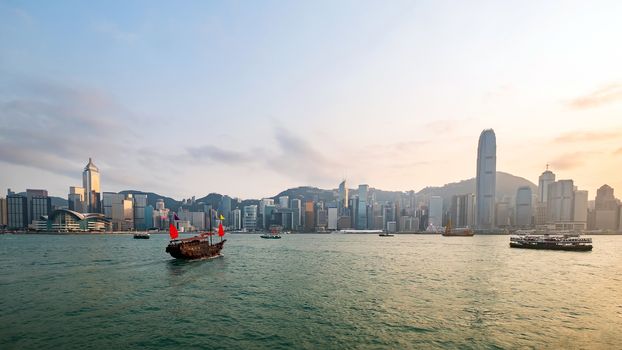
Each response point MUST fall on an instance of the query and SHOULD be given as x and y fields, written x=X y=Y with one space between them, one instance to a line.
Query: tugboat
x=457 y=232
x=197 y=247
x=568 y=242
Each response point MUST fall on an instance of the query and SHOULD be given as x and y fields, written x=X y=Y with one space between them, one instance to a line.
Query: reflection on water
x=308 y=291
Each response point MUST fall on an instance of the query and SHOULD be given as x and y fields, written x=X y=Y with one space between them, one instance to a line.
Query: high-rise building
x=140 y=203
x=361 y=222
x=333 y=216
x=250 y=217
x=342 y=199
x=225 y=208
x=560 y=199
x=486 y=179
x=3 y=212
x=262 y=213
x=76 y=199
x=309 y=217
x=119 y=209
x=605 y=198
x=462 y=212
x=17 y=211
x=39 y=204
x=524 y=211
x=236 y=219
x=545 y=179
x=606 y=205
x=435 y=217
x=297 y=214
x=149 y=217
x=284 y=202
x=90 y=182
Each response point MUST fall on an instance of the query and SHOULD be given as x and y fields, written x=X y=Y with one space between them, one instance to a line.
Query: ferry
x=567 y=241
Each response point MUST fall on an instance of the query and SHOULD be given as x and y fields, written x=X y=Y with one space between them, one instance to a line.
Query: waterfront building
x=250 y=217
x=545 y=179
x=160 y=204
x=64 y=220
x=236 y=219
x=503 y=217
x=284 y=202
x=462 y=210
x=435 y=212
x=119 y=209
x=322 y=218
x=485 y=181
x=580 y=203
x=262 y=213
x=140 y=203
x=149 y=217
x=41 y=207
x=309 y=217
x=91 y=184
x=76 y=199
x=17 y=211
x=3 y=212
x=524 y=211
x=342 y=197
x=333 y=217
x=361 y=221
x=297 y=214
x=560 y=199
x=225 y=208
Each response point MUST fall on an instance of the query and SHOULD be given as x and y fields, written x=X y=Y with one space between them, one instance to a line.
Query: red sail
x=173 y=231
x=221 y=231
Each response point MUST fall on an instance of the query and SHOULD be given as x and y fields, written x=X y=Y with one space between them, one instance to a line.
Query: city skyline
x=182 y=102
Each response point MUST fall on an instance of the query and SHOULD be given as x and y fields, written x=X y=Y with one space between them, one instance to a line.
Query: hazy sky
x=251 y=97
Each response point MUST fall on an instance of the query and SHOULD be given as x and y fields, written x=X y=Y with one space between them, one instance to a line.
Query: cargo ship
x=568 y=242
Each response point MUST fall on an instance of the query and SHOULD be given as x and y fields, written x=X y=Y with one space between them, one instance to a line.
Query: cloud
x=297 y=159
x=220 y=155
x=56 y=127
x=588 y=136
x=570 y=161
x=618 y=152
x=114 y=31
x=604 y=95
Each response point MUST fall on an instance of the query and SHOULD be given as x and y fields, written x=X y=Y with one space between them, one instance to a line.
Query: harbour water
x=309 y=292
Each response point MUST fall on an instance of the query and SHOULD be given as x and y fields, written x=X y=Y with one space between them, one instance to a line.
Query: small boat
x=198 y=247
x=567 y=242
x=270 y=236
x=385 y=234
x=274 y=233
x=457 y=232
x=141 y=235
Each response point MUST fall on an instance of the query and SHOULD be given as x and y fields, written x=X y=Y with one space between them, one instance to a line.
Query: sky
x=249 y=98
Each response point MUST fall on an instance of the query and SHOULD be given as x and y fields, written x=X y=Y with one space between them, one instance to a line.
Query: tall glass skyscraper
x=486 y=180
x=361 y=222
x=342 y=200
x=90 y=181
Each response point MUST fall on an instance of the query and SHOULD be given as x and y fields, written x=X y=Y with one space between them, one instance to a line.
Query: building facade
x=485 y=181
x=91 y=185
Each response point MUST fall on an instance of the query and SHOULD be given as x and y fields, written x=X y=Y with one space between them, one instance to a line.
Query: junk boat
x=141 y=235
x=198 y=247
x=569 y=242
x=457 y=232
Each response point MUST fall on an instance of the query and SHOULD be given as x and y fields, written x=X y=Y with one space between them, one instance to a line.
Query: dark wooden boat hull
x=194 y=249
x=458 y=234
x=544 y=246
x=141 y=237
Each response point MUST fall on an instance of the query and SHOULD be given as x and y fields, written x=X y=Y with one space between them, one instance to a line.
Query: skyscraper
x=524 y=211
x=90 y=181
x=76 y=199
x=3 y=212
x=486 y=179
x=342 y=200
x=547 y=178
x=361 y=222
x=435 y=217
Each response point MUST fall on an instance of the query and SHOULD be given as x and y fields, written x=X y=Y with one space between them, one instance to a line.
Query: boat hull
x=194 y=249
x=550 y=246
x=270 y=237
x=458 y=234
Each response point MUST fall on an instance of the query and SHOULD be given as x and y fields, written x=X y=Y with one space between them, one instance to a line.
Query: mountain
x=507 y=184
x=153 y=197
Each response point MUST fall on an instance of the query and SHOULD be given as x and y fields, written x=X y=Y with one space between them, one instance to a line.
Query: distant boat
x=274 y=233
x=457 y=232
x=141 y=235
x=197 y=247
x=385 y=234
